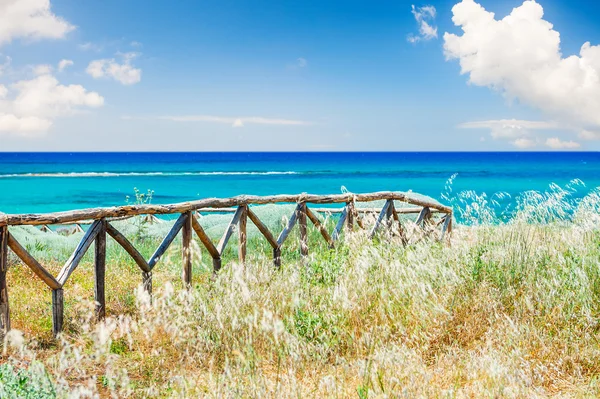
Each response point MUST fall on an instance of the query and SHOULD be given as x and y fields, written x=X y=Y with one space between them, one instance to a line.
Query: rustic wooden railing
x=187 y=223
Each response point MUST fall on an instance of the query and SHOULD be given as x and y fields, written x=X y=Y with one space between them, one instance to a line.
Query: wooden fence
x=187 y=223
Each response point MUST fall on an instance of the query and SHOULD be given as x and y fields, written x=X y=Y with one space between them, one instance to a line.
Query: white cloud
x=30 y=19
x=96 y=68
x=589 y=135
x=524 y=143
x=42 y=69
x=233 y=121
x=520 y=56
x=44 y=96
x=63 y=64
x=268 y=121
x=135 y=44
x=510 y=128
x=23 y=126
x=125 y=73
x=557 y=144
x=425 y=17
x=29 y=107
x=36 y=103
x=89 y=46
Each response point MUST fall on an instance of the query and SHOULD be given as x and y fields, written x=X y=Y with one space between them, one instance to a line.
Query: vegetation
x=509 y=309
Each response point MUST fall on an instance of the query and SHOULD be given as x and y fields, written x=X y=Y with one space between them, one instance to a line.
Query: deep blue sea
x=43 y=182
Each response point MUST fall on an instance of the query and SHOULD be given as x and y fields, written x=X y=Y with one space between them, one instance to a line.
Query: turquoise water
x=44 y=182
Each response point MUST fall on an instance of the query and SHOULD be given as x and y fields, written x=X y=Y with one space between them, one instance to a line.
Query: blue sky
x=300 y=76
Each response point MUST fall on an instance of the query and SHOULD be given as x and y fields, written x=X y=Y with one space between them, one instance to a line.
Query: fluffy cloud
x=425 y=17
x=524 y=143
x=557 y=144
x=512 y=129
x=29 y=107
x=35 y=103
x=31 y=19
x=125 y=73
x=63 y=64
x=234 y=122
x=45 y=96
x=520 y=56
x=23 y=126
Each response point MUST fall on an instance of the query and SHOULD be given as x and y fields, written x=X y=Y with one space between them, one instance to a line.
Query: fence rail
x=187 y=223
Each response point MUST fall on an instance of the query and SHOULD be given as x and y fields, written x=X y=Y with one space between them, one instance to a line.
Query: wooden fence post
x=147 y=283
x=277 y=257
x=4 y=308
x=242 y=234
x=100 y=271
x=390 y=215
x=384 y=214
x=303 y=230
x=350 y=220
x=424 y=217
x=340 y=225
x=186 y=235
x=57 y=311
x=446 y=228
x=216 y=265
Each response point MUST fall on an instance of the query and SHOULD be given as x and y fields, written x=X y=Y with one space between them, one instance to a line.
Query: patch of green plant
x=325 y=268
x=119 y=346
x=141 y=222
x=362 y=392
x=316 y=327
x=30 y=383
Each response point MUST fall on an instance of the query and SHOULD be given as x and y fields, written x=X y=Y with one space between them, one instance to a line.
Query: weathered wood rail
x=187 y=223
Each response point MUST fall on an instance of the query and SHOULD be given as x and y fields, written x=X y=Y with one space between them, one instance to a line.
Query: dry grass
x=505 y=311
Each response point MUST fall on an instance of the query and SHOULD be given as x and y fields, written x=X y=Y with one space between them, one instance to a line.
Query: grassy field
x=507 y=310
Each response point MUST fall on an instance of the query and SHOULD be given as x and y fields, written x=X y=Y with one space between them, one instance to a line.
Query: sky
x=227 y=75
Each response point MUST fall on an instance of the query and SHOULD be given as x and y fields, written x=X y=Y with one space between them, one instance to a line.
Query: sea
x=47 y=182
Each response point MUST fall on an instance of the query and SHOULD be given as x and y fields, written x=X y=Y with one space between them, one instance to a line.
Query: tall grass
x=509 y=309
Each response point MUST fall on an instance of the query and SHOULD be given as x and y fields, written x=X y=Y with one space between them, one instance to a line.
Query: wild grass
x=509 y=309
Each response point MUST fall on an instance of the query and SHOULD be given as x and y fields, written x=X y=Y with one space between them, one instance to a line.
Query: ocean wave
x=406 y=174
x=121 y=174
